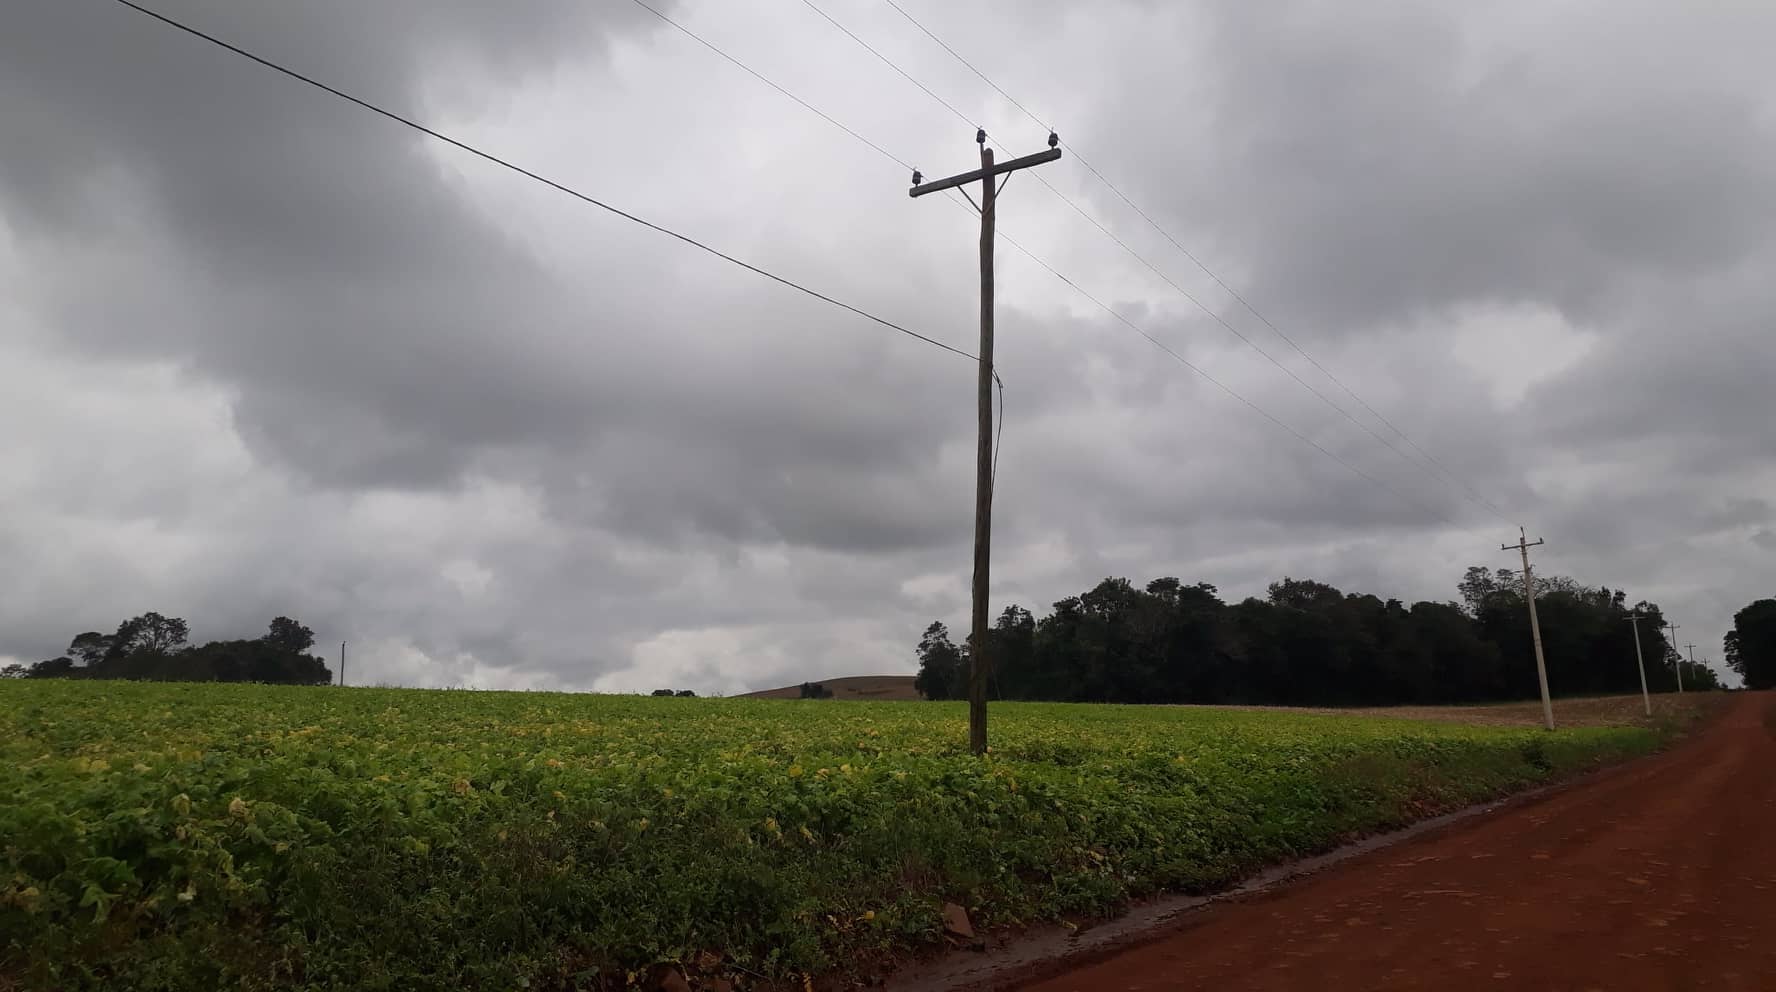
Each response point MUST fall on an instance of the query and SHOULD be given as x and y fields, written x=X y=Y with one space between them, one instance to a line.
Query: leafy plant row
x=173 y=836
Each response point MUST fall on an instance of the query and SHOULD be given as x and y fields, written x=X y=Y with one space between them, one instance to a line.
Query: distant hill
x=876 y=687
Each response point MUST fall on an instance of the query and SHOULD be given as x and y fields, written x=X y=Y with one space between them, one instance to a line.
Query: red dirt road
x=1661 y=875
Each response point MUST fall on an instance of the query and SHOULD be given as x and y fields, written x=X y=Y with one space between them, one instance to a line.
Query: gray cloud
x=271 y=354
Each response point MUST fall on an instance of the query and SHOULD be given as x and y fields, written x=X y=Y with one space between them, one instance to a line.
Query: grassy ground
x=161 y=836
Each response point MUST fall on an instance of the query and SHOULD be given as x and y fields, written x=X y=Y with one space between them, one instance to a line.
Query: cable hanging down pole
x=985 y=462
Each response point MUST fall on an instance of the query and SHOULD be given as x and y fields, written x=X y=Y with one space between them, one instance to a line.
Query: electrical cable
x=890 y=63
x=503 y=163
x=761 y=78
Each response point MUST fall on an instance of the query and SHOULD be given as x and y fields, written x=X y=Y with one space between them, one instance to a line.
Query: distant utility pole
x=342 y=664
x=1672 y=641
x=1535 y=626
x=983 y=474
x=1635 y=618
x=1692 y=648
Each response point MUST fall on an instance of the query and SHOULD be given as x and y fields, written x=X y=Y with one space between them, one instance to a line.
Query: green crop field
x=182 y=836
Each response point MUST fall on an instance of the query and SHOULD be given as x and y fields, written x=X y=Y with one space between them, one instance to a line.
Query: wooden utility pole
x=1635 y=618
x=1671 y=646
x=978 y=663
x=1535 y=625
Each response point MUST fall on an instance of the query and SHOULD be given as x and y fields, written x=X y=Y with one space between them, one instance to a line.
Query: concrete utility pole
x=1635 y=618
x=983 y=476
x=342 y=664
x=1672 y=641
x=1692 y=648
x=1535 y=625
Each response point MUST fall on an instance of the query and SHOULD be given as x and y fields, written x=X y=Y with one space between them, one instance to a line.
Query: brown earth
x=1659 y=875
x=1587 y=711
x=877 y=687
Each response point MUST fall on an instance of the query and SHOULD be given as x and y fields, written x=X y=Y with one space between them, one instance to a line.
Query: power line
x=1124 y=245
x=816 y=111
x=971 y=67
x=1229 y=390
x=503 y=163
x=999 y=438
x=1432 y=459
x=1056 y=273
x=1213 y=315
x=699 y=39
x=1217 y=317
x=890 y=63
x=1439 y=467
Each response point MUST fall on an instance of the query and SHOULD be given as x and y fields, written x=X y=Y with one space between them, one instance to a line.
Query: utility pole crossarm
x=939 y=185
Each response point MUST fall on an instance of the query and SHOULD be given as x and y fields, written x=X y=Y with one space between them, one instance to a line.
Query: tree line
x=154 y=648
x=1751 y=645
x=1308 y=643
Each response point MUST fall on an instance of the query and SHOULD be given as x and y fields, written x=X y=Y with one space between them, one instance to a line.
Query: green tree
x=245 y=661
x=942 y=667
x=54 y=668
x=149 y=633
x=1699 y=677
x=1014 y=646
x=290 y=635
x=1751 y=645
x=90 y=648
x=153 y=647
x=1481 y=587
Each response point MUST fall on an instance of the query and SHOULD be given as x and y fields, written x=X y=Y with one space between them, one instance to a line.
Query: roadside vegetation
x=181 y=836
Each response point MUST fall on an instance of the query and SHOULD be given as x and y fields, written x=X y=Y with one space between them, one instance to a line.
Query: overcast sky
x=264 y=353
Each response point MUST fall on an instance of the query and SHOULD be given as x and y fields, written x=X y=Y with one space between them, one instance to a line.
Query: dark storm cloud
x=1378 y=162
x=278 y=355
x=338 y=279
